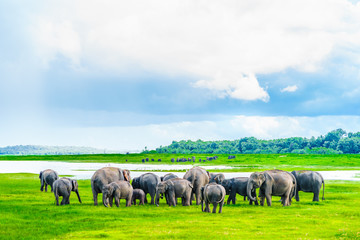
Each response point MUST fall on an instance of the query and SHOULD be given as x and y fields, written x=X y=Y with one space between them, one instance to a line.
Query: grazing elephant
x=138 y=194
x=147 y=182
x=63 y=187
x=239 y=186
x=168 y=176
x=105 y=176
x=217 y=178
x=174 y=188
x=212 y=193
x=272 y=183
x=198 y=177
x=118 y=190
x=48 y=177
x=309 y=181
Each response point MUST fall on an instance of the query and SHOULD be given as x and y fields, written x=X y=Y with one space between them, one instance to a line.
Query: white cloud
x=292 y=88
x=223 y=44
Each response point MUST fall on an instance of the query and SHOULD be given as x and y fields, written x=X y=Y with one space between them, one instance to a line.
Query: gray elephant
x=217 y=178
x=48 y=177
x=239 y=186
x=198 y=177
x=147 y=182
x=105 y=176
x=309 y=181
x=212 y=193
x=272 y=183
x=168 y=176
x=63 y=187
x=174 y=188
x=138 y=194
x=117 y=190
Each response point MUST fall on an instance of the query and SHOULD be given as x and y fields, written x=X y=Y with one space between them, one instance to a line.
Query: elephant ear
x=126 y=175
x=74 y=184
x=169 y=185
x=208 y=175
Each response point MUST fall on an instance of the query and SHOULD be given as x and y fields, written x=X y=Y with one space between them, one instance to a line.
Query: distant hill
x=51 y=150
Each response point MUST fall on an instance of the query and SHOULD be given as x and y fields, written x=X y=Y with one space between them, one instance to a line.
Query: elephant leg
x=95 y=197
x=268 y=200
x=198 y=196
x=316 y=197
x=297 y=195
x=63 y=201
x=128 y=202
x=68 y=200
x=46 y=187
x=244 y=198
x=57 y=200
x=221 y=206
x=117 y=201
x=146 y=201
x=207 y=206
x=111 y=200
x=214 y=207
x=51 y=188
x=42 y=185
x=152 y=198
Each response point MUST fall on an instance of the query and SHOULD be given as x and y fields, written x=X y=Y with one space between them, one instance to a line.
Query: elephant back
x=105 y=176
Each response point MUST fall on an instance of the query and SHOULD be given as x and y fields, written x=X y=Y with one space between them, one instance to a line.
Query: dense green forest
x=335 y=142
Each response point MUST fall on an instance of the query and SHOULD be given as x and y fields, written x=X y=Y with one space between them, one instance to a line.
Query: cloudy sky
x=128 y=74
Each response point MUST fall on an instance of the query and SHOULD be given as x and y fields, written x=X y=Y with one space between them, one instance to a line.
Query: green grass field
x=242 y=162
x=27 y=213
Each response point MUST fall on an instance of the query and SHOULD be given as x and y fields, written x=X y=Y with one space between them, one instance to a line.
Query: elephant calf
x=174 y=188
x=138 y=194
x=48 y=177
x=238 y=186
x=63 y=187
x=212 y=193
x=118 y=190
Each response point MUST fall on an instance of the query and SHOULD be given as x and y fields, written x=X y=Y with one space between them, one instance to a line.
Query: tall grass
x=27 y=213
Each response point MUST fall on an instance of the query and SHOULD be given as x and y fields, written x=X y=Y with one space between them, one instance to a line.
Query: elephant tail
x=323 y=182
x=222 y=197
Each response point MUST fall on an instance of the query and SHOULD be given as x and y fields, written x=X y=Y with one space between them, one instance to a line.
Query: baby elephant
x=212 y=193
x=63 y=187
x=138 y=194
x=118 y=190
x=47 y=177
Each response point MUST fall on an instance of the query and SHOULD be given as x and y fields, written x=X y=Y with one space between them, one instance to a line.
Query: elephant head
x=256 y=179
x=75 y=188
x=226 y=183
x=107 y=191
x=163 y=188
x=136 y=183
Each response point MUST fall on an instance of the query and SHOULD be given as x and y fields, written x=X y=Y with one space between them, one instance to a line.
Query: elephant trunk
x=77 y=193
x=157 y=198
x=249 y=189
x=105 y=201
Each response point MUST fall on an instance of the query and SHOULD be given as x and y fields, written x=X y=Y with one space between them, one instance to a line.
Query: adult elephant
x=272 y=183
x=239 y=186
x=217 y=178
x=63 y=187
x=174 y=188
x=105 y=176
x=48 y=177
x=147 y=182
x=168 y=176
x=309 y=181
x=198 y=177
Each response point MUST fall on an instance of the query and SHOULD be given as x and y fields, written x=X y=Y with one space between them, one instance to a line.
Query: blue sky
x=123 y=76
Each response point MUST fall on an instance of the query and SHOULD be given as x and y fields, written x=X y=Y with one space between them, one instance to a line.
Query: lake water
x=86 y=170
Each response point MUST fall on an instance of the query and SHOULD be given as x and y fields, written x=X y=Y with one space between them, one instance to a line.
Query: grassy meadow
x=242 y=162
x=27 y=213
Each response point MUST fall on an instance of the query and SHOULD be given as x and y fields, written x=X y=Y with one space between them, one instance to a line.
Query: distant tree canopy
x=334 y=142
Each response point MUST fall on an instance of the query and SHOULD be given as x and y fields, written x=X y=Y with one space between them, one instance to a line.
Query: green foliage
x=27 y=213
x=334 y=142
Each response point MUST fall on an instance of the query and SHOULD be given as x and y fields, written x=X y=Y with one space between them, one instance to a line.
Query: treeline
x=335 y=142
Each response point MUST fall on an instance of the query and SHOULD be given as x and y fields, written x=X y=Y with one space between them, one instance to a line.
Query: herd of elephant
x=208 y=188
